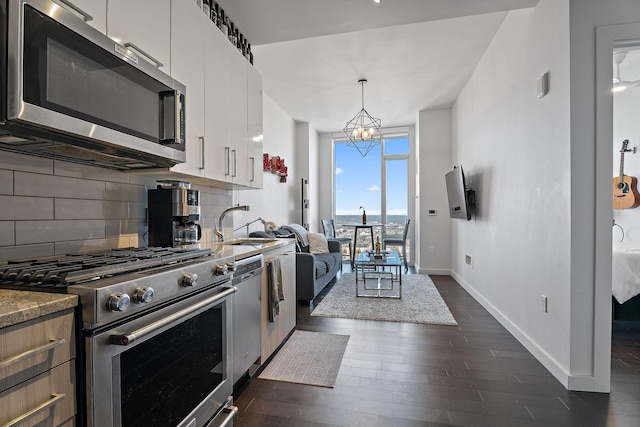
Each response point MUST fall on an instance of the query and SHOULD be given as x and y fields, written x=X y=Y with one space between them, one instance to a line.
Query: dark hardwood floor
x=473 y=374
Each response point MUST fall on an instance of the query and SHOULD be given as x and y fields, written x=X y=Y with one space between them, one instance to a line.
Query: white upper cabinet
x=144 y=27
x=223 y=113
x=254 y=126
x=218 y=156
x=96 y=9
x=187 y=66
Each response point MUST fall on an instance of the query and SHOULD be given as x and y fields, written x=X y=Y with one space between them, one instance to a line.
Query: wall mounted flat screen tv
x=461 y=198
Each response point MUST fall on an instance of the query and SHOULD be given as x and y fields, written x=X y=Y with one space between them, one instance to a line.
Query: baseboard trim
x=570 y=382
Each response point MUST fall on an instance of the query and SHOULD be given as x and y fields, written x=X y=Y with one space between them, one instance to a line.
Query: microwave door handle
x=172 y=105
x=84 y=15
x=127 y=338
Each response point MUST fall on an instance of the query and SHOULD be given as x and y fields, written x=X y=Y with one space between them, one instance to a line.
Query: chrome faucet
x=218 y=231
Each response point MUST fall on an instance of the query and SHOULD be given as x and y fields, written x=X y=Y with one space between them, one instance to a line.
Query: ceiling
x=415 y=54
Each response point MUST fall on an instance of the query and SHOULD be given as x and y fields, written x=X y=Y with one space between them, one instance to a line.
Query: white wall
x=434 y=159
x=515 y=150
x=275 y=201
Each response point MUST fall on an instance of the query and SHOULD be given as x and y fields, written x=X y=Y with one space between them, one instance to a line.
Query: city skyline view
x=358 y=180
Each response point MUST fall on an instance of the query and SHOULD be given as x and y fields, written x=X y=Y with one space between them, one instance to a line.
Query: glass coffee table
x=371 y=270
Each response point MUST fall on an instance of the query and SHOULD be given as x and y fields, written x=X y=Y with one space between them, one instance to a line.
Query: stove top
x=54 y=274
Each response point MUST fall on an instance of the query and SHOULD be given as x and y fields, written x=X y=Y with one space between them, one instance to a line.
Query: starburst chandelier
x=363 y=130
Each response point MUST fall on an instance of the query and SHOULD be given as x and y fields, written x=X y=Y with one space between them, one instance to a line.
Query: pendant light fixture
x=363 y=130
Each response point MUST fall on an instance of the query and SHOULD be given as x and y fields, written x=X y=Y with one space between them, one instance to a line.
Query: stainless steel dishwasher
x=246 y=310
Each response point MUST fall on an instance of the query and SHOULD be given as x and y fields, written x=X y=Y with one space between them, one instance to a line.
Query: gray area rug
x=311 y=358
x=420 y=303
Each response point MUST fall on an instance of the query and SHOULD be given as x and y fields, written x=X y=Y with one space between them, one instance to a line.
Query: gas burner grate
x=63 y=270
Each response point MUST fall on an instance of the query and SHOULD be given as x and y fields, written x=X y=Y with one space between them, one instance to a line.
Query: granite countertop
x=20 y=306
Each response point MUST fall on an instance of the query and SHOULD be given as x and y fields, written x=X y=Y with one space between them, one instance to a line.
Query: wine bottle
x=214 y=13
x=364 y=216
x=377 y=244
x=206 y=7
x=222 y=23
x=250 y=53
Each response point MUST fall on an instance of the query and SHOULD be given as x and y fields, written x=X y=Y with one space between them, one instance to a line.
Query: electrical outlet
x=544 y=303
x=468 y=259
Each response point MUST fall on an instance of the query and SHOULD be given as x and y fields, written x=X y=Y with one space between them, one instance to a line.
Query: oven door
x=169 y=368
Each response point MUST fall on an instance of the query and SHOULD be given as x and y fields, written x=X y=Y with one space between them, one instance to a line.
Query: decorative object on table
x=363 y=130
x=421 y=303
x=311 y=358
x=625 y=191
x=364 y=215
x=377 y=244
x=276 y=166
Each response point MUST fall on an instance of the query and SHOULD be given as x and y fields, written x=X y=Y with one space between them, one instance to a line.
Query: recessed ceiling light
x=377 y=1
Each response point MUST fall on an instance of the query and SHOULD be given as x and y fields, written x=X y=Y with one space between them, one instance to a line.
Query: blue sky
x=358 y=180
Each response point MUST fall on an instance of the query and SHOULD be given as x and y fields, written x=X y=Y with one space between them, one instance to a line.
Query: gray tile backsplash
x=50 y=207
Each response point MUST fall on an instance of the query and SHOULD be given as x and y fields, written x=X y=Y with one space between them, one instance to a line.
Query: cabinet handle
x=227 y=156
x=252 y=166
x=235 y=168
x=77 y=10
x=201 y=139
x=55 y=397
x=130 y=45
x=30 y=353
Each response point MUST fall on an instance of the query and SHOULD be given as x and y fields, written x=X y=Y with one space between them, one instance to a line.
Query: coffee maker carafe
x=174 y=209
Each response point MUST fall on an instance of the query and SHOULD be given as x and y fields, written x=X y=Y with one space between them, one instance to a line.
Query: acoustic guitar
x=625 y=193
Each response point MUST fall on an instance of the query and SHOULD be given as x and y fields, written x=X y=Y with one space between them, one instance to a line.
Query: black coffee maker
x=174 y=209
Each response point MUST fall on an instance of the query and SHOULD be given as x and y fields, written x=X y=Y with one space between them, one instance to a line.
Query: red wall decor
x=275 y=165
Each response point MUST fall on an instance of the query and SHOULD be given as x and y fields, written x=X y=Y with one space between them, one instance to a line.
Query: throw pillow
x=318 y=243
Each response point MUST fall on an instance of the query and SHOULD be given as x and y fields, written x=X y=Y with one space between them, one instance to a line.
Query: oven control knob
x=189 y=279
x=143 y=294
x=231 y=265
x=220 y=269
x=118 y=302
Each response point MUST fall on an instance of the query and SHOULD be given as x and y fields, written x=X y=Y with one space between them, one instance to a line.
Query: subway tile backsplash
x=49 y=207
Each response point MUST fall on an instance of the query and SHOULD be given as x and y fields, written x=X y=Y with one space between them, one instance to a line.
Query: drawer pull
x=30 y=353
x=55 y=397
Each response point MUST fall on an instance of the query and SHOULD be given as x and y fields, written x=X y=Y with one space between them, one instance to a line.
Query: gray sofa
x=315 y=271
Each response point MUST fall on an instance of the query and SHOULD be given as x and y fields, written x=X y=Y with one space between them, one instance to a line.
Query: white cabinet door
x=147 y=25
x=254 y=126
x=97 y=9
x=217 y=150
x=187 y=48
x=237 y=116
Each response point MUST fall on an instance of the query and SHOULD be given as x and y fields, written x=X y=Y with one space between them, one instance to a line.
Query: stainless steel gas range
x=156 y=332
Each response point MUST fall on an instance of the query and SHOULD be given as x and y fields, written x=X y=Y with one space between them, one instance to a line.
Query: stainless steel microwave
x=70 y=92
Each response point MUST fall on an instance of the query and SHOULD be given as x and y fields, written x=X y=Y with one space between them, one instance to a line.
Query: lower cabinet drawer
x=48 y=396
x=33 y=347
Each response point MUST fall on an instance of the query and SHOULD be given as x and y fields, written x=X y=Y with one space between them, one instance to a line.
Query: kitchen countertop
x=245 y=247
x=20 y=306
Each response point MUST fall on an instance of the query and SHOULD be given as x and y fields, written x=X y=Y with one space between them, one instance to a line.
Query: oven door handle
x=127 y=338
x=230 y=411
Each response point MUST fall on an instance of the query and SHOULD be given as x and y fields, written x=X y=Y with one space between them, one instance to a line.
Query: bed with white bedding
x=625 y=283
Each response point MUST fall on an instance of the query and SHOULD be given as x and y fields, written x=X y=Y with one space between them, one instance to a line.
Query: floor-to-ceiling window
x=377 y=184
